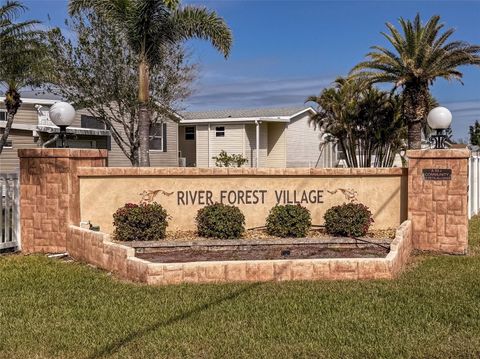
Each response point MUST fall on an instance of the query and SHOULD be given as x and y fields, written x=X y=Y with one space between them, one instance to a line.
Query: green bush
x=225 y=160
x=289 y=221
x=220 y=221
x=348 y=219
x=140 y=222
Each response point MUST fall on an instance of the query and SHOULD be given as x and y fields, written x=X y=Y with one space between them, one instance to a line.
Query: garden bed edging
x=96 y=248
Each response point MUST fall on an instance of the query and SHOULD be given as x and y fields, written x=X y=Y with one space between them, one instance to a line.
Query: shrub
x=220 y=221
x=348 y=219
x=225 y=160
x=140 y=222
x=289 y=221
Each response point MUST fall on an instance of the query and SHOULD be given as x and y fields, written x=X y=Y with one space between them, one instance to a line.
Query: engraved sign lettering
x=437 y=174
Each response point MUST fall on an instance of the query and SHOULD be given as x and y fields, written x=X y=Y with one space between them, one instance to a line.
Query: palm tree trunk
x=144 y=114
x=12 y=104
x=415 y=111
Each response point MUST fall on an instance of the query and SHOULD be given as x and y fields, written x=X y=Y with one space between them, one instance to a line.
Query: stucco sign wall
x=182 y=192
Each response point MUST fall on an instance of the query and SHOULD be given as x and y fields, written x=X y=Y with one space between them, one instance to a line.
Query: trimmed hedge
x=348 y=219
x=220 y=221
x=140 y=222
x=289 y=221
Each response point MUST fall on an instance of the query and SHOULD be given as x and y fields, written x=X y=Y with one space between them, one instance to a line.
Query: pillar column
x=49 y=194
x=438 y=199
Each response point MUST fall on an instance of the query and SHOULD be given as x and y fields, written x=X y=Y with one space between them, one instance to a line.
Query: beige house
x=32 y=128
x=271 y=137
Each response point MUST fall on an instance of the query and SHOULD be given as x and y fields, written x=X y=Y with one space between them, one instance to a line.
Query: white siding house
x=272 y=137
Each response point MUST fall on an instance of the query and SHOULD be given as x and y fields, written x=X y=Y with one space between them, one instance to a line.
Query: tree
x=149 y=26
x=97 y=71
x=420 y=55
x=449 y=136
x=474 y=132
x=364 y=121
x=22 y=54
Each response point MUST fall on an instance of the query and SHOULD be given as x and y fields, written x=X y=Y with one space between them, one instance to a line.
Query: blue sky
x=287 y=50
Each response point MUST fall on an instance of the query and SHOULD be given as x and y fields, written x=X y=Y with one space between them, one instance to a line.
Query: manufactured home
x=270 y=137
x=32 y=128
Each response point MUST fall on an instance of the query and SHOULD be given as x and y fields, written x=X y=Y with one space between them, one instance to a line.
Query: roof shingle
x=242 y=113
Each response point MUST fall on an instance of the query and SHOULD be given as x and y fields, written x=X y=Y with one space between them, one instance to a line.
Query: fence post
x=470 y=189
x=49 y=194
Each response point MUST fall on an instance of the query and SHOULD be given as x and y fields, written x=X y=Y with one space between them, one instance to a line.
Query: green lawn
x=53 y=309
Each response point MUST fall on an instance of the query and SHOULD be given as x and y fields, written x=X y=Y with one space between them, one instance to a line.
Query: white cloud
x=254 y=92
x=464 y=114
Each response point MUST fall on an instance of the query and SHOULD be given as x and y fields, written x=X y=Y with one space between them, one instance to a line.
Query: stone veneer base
x=96 y=248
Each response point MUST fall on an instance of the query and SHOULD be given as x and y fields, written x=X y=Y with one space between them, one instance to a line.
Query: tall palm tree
x=149 y=26
x=420 y=55
x=22 y=54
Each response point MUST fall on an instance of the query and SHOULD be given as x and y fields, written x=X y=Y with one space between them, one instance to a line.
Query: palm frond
x=195 y=22
x=22 y=48
x=114 y=10
x=11 y=10
x=421 y=53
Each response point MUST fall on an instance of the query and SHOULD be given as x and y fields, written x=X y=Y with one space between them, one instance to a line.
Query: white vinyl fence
x=9 y=211
x=473 y=185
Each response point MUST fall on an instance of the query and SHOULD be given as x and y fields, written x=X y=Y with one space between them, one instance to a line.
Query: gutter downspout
x=208 y=145
x=257 y=141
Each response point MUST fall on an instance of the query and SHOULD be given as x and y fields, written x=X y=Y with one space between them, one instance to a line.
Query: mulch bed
x=260 y=252
x=256 y=244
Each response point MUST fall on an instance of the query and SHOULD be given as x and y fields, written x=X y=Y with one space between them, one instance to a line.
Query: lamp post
x=62 y=114
x=439 y=119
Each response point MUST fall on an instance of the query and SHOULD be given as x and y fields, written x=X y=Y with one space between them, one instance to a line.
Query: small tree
x=97 y=71
x=474 y=132
x=22 y=59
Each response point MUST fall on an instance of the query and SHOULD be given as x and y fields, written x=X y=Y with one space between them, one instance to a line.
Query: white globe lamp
x=62 y=114
x=439 y=119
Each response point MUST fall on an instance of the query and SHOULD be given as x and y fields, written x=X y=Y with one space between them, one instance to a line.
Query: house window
x=92 y=122
x=189 y=133
x=158 y=137
x=3 y=115
x=220 y=131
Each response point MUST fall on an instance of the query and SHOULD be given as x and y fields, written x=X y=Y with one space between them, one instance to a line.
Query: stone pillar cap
x=62 y=153
x=446 y=153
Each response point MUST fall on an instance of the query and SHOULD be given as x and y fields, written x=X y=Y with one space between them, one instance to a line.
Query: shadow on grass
x=118 y=344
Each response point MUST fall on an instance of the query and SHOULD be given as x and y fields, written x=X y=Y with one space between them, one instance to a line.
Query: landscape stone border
x=96 y=248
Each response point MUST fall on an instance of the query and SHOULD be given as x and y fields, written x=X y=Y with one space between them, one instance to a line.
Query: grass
x=54 y=309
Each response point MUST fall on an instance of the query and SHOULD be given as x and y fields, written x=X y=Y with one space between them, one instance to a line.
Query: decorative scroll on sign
x=437 y=174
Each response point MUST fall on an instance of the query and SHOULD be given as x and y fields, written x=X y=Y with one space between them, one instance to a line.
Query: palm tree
x=420 y=55
x=22 y=55
x=364 y=121
x=149 y=26
x=337 y=114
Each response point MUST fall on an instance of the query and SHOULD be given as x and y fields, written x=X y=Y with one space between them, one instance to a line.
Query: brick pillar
x=49 y=198
x=437 y=199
